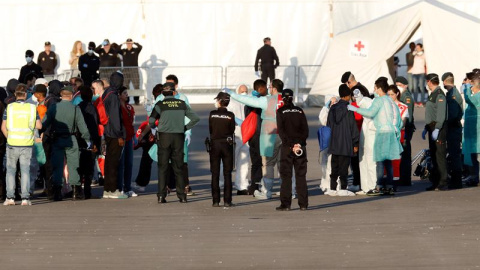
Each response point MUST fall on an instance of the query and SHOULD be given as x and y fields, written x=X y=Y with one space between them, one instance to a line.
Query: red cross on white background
x=359 y=46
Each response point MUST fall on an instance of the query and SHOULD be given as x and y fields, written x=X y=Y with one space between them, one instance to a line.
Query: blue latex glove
x=352 y=108
x=238 y=121
x=255 y=93
x=424 y=133
x=226 y=90
x=435 y=134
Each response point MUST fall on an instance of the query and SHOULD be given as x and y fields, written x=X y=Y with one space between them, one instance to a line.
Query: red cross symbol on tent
x=359 y=46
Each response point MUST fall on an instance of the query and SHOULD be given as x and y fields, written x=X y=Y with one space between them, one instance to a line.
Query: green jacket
x=436 y=110
x=62 y=117
x=171 y=113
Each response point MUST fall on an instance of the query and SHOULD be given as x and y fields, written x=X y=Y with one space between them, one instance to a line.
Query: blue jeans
x=125 y=168
x=22 y=154
x=388 y=182
x=410 y=80
x=419 y=87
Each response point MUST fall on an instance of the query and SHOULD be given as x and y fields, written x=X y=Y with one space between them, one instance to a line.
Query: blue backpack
x=324 y=133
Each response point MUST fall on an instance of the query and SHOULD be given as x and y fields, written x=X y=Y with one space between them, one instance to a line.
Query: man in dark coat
x=268 y=60
x=344 y=141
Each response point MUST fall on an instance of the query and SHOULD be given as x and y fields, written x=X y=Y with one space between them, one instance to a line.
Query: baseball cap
x=47 y=43
x=287 y=93
x=446 y=75
x=129 y=40
x=223 y=96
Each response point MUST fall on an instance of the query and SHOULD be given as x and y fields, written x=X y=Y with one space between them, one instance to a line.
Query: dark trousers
x=438 y=152
x=145 y=170
x=112 y=159
x=339 y=169
x=355 y=161
x=170 y=146
x=171 y=180
x=454 y=144
x=268 y=72
x=48 y=169
x=87 y=163
x=221 y=151
x=406 y=159
x=288 y=161
x=256 y=169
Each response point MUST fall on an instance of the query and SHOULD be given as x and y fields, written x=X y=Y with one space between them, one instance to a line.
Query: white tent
x=451 y=41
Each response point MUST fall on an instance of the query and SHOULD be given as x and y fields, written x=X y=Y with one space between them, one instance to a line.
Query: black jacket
x=114 y=127
x=267 y=55
x=27 y=69
x=130 y=57
x=11 y=85
x=47 y=62
x=292 y=125
x=88 y=66
x=90 y=115
x=107 y=59
x=221 y=124
x=345 y=133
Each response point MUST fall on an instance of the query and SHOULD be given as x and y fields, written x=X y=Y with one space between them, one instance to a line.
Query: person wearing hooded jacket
x=343 y=141
x=11 y=85
x=114 y=136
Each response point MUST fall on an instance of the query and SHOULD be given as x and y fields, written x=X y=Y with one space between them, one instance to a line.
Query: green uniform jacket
x=454 y=107
x=171 y=113
x=436 y=110
x=62 y=117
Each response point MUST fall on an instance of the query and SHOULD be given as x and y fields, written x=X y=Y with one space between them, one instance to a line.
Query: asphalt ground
x=414 y=229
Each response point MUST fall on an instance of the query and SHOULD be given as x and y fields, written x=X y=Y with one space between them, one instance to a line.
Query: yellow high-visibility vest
x=21 y=117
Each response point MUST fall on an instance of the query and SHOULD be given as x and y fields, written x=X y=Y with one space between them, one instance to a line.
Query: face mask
x=401 y=88
x=243 y=94
x=90 y=52
x=255 y=93
x=29 y=59
x=34 y=98
x=376 y=94
x=217 y=105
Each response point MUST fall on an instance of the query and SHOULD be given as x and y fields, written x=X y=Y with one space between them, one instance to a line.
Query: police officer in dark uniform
x=435 y=119
x=269 y=60
x=454 y=134
x=221 y=123
x=88 y=64
x=406 y=160
x=171 y=113
x=47 y=60
x=108 y=58
x=130 y=60
x=293 y=130
x=30 y=67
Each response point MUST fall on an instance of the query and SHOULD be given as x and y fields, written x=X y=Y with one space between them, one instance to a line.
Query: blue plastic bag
x=324 y=133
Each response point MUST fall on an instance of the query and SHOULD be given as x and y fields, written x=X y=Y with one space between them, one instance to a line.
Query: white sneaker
x=353 y=188
x=9 y=202
x=345 y=193
x=260 y=195
x=118 y=195
x=361 y=192
x=331 y=193
x=26 y=202
x=131 y=193
x=137 y=187
x=107 y=194
x=323 y=189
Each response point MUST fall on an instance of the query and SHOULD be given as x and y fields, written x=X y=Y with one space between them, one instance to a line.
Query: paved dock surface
x=412 y=230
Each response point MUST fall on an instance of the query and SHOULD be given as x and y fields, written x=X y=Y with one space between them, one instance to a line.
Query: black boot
x=57 y=193
x=87 y=189
x=77 y=193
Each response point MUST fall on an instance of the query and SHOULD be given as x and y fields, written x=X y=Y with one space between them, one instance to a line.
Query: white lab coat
x=368 y=167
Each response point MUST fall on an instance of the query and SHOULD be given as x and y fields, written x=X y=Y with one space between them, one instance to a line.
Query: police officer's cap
x=446 y=75
x=168 y=87
x=47 y=43
x=401 y=80
x=129 y=40
x=223 y=96
x=91 y=45
x=107 y=42
x=433 y=77
x=287 y=93
x=67 y=88
x=346 y=76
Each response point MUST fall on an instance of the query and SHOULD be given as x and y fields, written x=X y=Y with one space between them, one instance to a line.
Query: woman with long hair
x=75 y=54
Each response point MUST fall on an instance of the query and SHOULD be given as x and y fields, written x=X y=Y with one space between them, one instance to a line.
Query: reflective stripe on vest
x=20 y=124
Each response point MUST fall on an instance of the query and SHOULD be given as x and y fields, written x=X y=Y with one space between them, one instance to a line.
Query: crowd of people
x=57 y=134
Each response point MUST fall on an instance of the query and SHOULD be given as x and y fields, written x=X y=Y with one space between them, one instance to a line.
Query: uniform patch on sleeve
x=408 y=100
x=440 y=100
